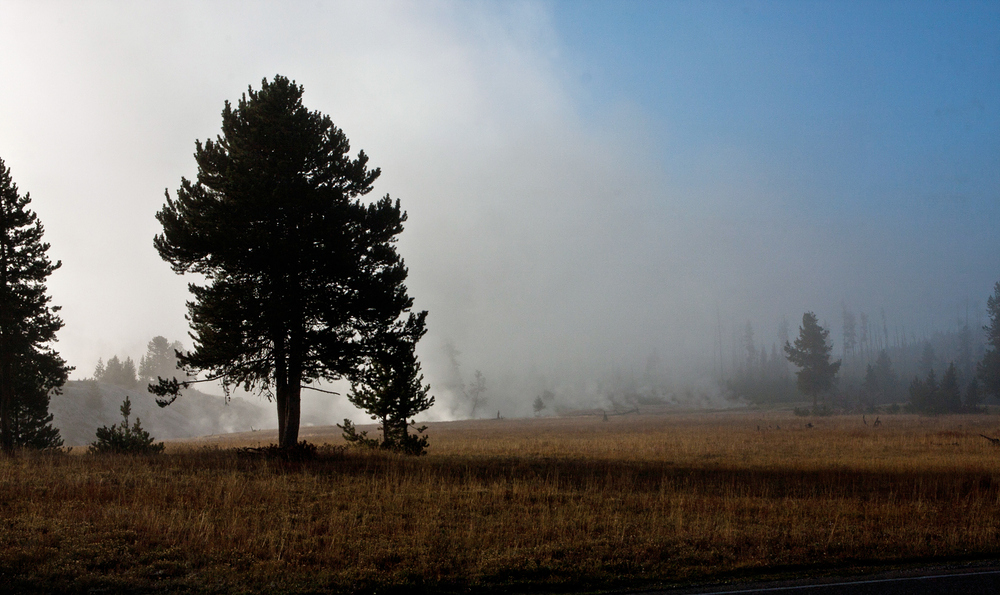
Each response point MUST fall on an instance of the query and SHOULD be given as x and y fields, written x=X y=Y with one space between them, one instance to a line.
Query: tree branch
x=329 y=392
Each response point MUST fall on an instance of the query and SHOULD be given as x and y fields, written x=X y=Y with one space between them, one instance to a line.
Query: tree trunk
x=289 y=411
x=281 y=396
x=6 y=405
x=293 y=406
x=281 y=386
x=293 y=391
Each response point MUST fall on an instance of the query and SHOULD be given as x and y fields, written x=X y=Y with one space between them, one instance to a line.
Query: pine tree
x=31 y=420
x=811 y=354
x=949 y=393
x=160 y=360
x=988 y=369
x=125 y=439
x=880 y=380
x=925 y=395
x=120 y=373
x=298 y=270
x=390 y=388
x=29 y=368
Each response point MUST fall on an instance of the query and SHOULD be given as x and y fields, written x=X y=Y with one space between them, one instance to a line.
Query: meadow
x=551 y=504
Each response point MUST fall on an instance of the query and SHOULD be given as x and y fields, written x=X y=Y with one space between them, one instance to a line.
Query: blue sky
x=586 y=182
x=877 y=105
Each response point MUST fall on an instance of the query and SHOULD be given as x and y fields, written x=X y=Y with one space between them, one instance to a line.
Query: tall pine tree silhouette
x=300 y=272
x=29 y=367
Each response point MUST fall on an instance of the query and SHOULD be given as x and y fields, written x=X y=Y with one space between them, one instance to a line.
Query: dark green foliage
x=543 y=400
x=923 y=393
x=811 y=354
x=160 y=359
x=29 y=368
x=389 y=387
x=988 y=369
x=31 y=421
x=356 y=438
x=929 y=396
x=117 y=372
x=950 y=395
x=299 y=272
x=125 y=439
x=881 y=384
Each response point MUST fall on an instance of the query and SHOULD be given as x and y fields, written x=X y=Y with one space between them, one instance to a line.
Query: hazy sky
x=586 y=181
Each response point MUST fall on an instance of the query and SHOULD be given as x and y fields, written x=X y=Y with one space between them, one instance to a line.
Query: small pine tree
x=391 y=390
x=124 y=439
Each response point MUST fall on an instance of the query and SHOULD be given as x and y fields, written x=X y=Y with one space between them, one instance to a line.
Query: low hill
x=86 y=405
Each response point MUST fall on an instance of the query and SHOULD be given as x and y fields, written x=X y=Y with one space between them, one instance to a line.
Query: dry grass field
x=510 y=505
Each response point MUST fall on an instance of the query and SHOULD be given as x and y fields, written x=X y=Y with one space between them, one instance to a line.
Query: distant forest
x=881 y=365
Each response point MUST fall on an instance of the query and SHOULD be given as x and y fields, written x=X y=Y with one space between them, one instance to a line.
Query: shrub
x=124 y=439
x=402 y=442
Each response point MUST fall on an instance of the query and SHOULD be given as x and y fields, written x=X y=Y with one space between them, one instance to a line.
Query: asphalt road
x=936 y=581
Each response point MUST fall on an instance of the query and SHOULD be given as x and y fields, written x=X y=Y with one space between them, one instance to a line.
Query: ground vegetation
x=547 y=504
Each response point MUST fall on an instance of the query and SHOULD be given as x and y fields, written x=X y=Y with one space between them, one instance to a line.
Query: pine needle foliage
x=298 y=270
x=125 y=439
x=811 y=353
x=30 y=370
x=391 y=389
x=988 y=370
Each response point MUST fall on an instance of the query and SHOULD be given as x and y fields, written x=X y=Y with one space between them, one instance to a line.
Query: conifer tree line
x=160 y=361
x=880 y=365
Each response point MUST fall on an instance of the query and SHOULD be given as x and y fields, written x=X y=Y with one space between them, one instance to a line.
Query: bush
x=124 y=439
x=299 y=452
x=399 y=441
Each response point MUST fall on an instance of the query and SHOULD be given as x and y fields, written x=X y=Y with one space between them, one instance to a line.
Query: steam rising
x=555 y=249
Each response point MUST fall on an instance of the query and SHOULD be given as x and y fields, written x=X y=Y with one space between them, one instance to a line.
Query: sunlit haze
x=593 y=188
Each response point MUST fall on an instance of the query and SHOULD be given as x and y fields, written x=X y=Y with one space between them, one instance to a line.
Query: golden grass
x=502 y=504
